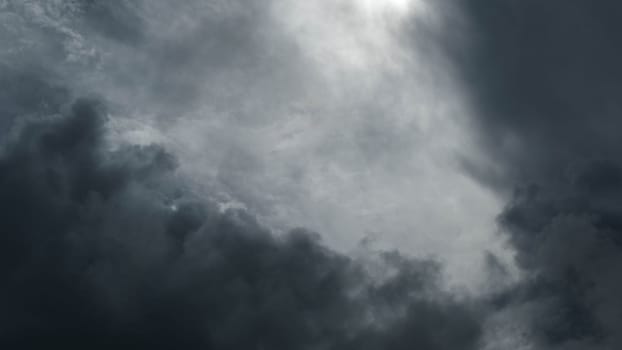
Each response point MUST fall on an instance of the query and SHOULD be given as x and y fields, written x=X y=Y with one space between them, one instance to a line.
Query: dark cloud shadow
x=546 y=82
x=104 y=247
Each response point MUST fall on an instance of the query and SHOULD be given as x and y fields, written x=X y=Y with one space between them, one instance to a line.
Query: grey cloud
x=571 y=249
x=107 y=244
x=544 y=77
x=117 y=20
x=105 y=247
x=545 y=81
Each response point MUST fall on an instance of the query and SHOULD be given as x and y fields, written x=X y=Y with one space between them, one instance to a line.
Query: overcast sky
x=326 y=174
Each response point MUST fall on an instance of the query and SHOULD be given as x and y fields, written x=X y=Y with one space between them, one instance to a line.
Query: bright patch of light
x=374 y=7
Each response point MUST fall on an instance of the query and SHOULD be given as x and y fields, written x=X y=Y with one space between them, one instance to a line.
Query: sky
x=325 y=174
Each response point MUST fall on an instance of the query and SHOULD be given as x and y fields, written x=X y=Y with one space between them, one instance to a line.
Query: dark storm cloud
x=546 y=80
x=104 y=247
x=26 y=92
x=546 y=76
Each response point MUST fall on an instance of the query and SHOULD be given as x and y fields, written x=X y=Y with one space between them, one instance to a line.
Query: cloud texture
x=106 y=243
x=155 y=156
x=105 y=248
x=308 y=114
x=545 y=79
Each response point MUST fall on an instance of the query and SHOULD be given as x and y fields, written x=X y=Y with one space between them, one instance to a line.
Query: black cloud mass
x=104 y=248
x=547 y=82
x=107 y=244
x=103 y=245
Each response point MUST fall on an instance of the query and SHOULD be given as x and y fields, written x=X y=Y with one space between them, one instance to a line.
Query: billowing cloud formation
x=341 y=116
x=308 y=114
x=546 y=80
x=102 y=246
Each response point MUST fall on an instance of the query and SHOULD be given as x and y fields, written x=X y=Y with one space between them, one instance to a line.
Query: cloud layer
x=104 y=247
x=545 y=79
x=156 y=155
x=308 y=114
x=110 y=240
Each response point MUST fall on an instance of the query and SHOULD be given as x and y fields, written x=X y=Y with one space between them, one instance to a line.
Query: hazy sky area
x=325 y=174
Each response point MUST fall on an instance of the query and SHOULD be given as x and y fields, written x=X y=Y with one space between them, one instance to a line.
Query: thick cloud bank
x=155 y=155
x=547 y=82
x=102 y=247
x=309 y=113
